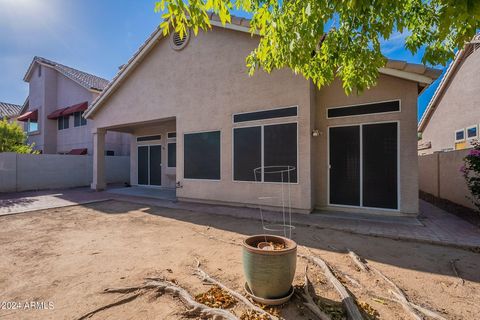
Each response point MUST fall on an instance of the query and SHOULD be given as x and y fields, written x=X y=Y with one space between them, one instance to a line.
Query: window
x=265 y=114
x=460 y=135
x=32 y=126
x=171 y=149
x=78 y=119
x=110 y=153
x=378 y=107
x=202 y=155
x=63 y=122
x=149 y=138
x=472 y=132
x=265 y=146
x=172 y=154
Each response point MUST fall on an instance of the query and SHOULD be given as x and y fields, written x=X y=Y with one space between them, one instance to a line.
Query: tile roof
x=9 y=110
x=87 y=80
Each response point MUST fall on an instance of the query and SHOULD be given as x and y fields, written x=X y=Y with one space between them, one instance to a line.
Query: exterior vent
x=177 y=42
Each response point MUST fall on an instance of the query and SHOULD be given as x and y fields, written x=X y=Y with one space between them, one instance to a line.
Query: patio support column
x=99 y=182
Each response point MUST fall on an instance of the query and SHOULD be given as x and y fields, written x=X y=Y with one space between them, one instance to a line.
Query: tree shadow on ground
x=411 y=255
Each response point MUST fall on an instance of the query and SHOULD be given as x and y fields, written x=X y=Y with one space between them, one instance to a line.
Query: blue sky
x=93 y=36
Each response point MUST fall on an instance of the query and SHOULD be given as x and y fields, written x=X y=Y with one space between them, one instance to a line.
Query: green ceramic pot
x=269 y=273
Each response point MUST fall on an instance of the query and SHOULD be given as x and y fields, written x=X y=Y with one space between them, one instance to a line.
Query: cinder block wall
x=440 y=176
x=23 y=172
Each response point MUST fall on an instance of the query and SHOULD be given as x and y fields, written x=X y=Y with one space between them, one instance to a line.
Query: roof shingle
x=87 y=80
x=9 y=110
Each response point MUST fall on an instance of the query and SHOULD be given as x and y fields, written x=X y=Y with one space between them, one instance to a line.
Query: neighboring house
x=451 y=120
x=9 y=110
x=200 y=123
x=53 y=112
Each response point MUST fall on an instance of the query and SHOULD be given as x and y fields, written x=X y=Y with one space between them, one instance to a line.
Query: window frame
x=262 y=142
x=32 y=131
x=267 y=119
x=83 y=121
x=464 y=135
x=65 y=119
x=363 y=104
x=466 y=132
x=221 y=158
x=171 y=140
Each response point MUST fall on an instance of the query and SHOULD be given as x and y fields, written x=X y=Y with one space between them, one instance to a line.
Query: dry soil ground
x=68 y=256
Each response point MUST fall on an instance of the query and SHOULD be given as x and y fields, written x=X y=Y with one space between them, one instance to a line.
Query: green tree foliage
x=324 y=39
x=13 y=139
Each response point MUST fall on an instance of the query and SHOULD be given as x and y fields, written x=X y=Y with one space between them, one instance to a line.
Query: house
x=201 y=124
x=9 y=111
x=53 y=112
x=451 y=119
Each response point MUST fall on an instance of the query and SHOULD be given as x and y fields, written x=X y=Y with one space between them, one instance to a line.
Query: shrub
x=13 y=139
x=471 y=173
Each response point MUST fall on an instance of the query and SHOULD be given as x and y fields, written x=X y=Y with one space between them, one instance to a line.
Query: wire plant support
x=282 y=176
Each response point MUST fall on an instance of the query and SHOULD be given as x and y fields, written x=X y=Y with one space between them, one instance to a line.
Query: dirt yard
x=68 y=256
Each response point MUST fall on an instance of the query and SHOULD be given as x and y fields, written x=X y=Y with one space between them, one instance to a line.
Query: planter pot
x=269 y=273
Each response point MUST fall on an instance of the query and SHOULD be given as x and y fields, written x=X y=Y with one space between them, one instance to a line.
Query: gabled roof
x=401 y=69
x=452 y=69
x=86 y=80
x=9 y=110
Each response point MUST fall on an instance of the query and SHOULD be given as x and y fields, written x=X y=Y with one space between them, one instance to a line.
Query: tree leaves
x=13 y=139
x=292 y=33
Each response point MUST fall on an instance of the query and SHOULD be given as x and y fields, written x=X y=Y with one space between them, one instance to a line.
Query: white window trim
x=168 y=138
x=155 y=141
x=364 y=104
x=361 y=170
x=260 y=120
x=464 y=135
x=183 y=154
x=262 y=151
x=34 y=131
x=476 y=132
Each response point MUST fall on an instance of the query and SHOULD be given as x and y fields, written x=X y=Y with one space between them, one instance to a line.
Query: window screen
x=280 y=149
x=247 y=153
x=202 y=155
x=266 y=114
x=78 y=119
x=390 y=106
x=171 y=135
x=459 y=135
x=172 y=154
x=62 y=123
x=149 y=138
x=472 y=132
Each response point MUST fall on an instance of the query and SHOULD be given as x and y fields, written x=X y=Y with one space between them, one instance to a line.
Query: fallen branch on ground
x=110 y=305
x=310 y=303
x=455 y=270
x=206 y=278
x=162 y=286
x=347 y=299
x=398 y=293
x=358 y=261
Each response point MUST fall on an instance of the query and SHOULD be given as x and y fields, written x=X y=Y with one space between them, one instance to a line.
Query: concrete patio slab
x=433 y=225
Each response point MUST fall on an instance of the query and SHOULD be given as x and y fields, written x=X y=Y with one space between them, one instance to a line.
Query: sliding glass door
x=363 y=163
x=149 y=165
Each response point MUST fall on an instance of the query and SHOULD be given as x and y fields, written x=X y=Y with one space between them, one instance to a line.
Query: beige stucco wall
x=204 y=84
x=457 y=109
x=440 y=176
x=388 y=88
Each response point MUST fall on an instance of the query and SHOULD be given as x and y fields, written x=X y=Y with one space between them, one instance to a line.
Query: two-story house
x=53 y=113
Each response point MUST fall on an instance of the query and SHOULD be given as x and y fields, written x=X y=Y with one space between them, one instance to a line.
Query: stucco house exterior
x=9 y=110
x=451 y=120
x=53 y=112
x=201 y=124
